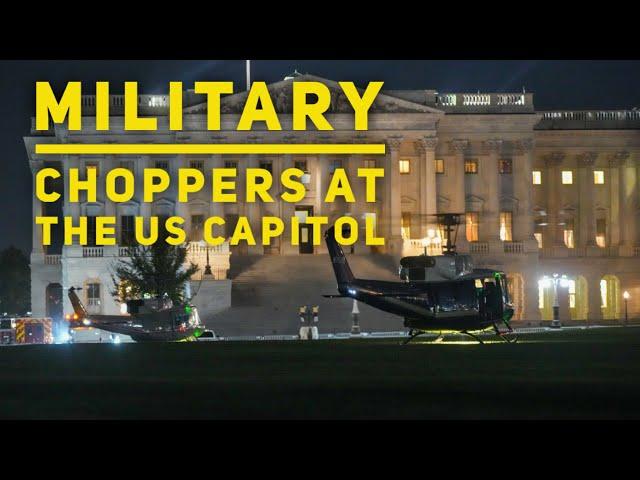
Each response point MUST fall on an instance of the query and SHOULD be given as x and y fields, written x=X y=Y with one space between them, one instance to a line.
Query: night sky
x=555 y=84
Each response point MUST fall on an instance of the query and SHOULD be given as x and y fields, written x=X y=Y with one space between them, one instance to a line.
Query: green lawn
x=568 y=374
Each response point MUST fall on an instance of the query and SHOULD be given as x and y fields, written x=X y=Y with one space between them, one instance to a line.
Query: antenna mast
x=248 y=63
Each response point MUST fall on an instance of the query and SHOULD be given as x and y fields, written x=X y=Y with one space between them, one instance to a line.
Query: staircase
x=268 y=290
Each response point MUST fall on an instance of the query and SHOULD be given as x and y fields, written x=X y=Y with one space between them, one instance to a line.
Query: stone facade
x=491 y=156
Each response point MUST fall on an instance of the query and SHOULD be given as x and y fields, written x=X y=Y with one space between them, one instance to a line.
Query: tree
x=15 y=282
x=156 y=270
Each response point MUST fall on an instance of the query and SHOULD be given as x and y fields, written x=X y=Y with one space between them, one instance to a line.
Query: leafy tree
x=15 y=282
x=156 y=270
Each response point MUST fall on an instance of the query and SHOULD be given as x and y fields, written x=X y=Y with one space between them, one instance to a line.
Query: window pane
x=471 y=165
x=336 y=163
x=505 y=226
x=300 y=164
x=537 y=177
x=538 y=239
x=91 y=231
x=406 y=225
x=197 y=222
x=268 y=166
x=472 y=226
x=598 y=177
x=567 y=177
x=601 y=232
x=506 y=165
x=127 y=233
x=568 y=233
x=162 y=164
x=369 y=163
x=230 y=164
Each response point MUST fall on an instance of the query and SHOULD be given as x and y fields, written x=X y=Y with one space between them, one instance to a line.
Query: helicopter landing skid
x=503 y=335
x=475 y=337
x=413 y=335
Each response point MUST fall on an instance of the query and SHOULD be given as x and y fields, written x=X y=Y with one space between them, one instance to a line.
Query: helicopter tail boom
x=344 y=275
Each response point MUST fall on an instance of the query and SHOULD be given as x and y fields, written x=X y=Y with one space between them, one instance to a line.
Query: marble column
x=254 y=210
x=628 y=204
x=594 y=298
x=393 y=213
x=458 y=196
x=555 y=236
x=522 y=188
x=426 y=147
x=490 y=217
x=587 y=214
x=72 y=209
x=36 y=208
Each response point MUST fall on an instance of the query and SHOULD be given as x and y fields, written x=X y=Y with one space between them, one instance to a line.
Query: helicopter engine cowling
x=434 y=268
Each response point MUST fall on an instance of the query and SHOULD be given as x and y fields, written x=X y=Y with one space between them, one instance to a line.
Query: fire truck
x=26 y=330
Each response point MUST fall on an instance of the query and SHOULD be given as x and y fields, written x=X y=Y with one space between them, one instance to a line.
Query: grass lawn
x=578 y=374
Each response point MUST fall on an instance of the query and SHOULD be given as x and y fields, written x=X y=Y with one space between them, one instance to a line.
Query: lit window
x=537 y=177
x=369 y=163
x=405 y=166
x=598 y=177
x=572 y=293
x=568 y=233
x=373 y=221
x=506 y=226
x=505 y=165
x=197 y=165
x=601 y=232
x=439 y=165
x=540 y=294
x=471 y=165
x=538 y=236
x=567 y=177
x=406 y=225
x=603 y=293
x=472 y=226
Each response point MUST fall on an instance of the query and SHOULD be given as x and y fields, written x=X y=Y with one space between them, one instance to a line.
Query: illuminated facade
x=543 y=192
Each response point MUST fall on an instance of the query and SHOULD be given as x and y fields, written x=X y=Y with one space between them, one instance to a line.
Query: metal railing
x=513 y=247
x=478 y=247
x=52 y=259
x=91 y=252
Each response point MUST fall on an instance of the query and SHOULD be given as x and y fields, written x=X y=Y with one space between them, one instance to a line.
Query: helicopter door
x=492 y=293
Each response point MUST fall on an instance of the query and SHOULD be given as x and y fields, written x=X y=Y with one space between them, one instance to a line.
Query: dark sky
x=556 y=84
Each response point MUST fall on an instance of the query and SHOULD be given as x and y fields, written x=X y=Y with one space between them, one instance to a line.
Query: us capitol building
x=543 y=192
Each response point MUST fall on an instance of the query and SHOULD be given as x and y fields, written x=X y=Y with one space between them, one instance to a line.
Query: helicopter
x=149 y=320
x=437 y=293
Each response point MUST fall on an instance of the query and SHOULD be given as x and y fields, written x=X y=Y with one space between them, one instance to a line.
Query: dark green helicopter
x=437 y=293
x=149 y=320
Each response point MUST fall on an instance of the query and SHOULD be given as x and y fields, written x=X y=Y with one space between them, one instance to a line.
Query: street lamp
x=556 y=279
x=207 y=268
x=626 y=297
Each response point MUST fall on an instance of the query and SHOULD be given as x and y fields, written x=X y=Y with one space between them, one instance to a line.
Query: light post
x=207 y=268
x=626 y=297
x=556 y=279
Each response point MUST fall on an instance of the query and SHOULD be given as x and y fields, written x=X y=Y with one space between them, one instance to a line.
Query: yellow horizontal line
x=208 y=149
